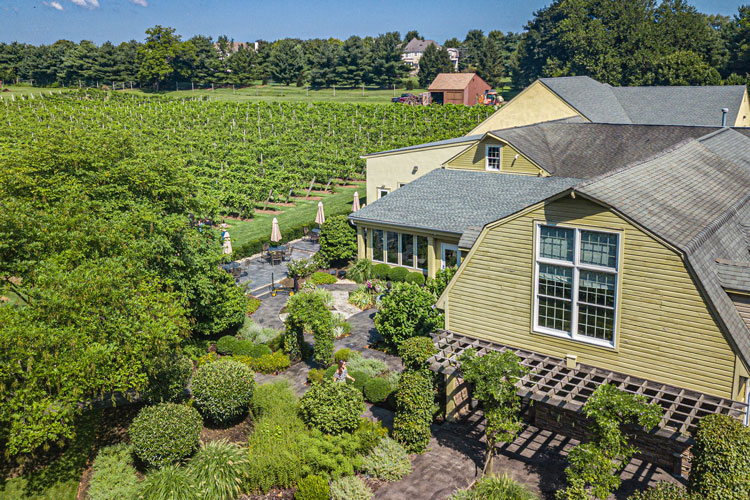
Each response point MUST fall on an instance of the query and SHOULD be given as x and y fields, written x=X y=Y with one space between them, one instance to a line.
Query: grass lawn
x=26 y=90
x=290 y=94
x=303 y=212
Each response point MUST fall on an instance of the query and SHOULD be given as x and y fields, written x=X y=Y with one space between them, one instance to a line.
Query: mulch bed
x=236 y=432
x=313 y=198
x=281 y=204
x=274 y=494
x=269 y=212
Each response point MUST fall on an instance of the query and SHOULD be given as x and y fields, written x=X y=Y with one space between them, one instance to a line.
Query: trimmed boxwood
x=225 y=345
x=332 y=407
x=721 y=459
x=223 y=390
x=247 y=348
x=165 y=433
x=381 y=271
x=312 y=488
x=398 y=274
x=377 y=390
x=415 y=278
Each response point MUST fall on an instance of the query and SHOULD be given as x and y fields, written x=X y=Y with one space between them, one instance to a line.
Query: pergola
x=551 y=381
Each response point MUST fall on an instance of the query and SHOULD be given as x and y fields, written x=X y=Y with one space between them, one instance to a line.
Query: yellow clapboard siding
x=511 y=160
x=665 y=331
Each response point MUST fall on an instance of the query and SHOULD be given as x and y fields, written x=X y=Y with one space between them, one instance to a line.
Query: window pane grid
x=377 y=245
x=391 y=243
x=579 y=298
x=493 y=157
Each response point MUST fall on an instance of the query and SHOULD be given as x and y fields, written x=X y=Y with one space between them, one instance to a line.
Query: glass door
x=450 y=256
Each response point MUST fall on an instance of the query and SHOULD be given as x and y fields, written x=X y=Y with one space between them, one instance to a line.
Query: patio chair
x=288 y=252
x=265 y=255
x=277 y=258
x=307 y=232
x=314 y=237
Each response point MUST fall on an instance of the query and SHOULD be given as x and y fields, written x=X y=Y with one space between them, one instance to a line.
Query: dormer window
x=492 y=158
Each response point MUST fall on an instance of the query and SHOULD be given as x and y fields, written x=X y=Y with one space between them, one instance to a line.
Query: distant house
x=414 y=50
x=458 y=88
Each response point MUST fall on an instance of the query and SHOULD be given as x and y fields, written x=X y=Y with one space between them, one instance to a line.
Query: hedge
x=381 y=271
x=225 y=345
x=721 y=459
x=377 y=390
x=398 y=274
x=166 y=433
x=321 y=278
x=332 y=407
x=247 y=348
x=415 y=278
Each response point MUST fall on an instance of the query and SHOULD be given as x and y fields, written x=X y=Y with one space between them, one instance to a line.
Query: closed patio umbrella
x=320 y=218
x=275 y=231
x=355 y=203
x=227 y=242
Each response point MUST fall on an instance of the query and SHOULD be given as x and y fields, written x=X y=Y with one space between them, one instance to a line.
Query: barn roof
x=452 y=81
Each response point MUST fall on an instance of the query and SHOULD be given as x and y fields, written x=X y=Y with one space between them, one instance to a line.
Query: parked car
x=406 y=97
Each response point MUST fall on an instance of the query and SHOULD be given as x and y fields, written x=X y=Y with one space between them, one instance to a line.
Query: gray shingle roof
x=600 y=102
x=417 y=45
x=733 y=275
x=452 y=200
x=445 y=142
x=584 y=150
x=698 y=200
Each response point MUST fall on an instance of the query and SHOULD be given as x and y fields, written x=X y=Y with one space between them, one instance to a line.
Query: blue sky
x=44 y=21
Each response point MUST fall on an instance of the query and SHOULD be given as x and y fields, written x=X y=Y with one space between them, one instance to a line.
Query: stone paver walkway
x=259 y=271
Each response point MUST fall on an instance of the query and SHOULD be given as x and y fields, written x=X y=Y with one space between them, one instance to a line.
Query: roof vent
x=724 y=112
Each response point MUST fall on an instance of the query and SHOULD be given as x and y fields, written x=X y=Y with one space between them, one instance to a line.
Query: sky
x=45 y=21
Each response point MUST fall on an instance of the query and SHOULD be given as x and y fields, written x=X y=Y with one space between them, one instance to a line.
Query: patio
x=258 y=271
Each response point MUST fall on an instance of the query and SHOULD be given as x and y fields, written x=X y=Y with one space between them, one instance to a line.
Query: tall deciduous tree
x=159 y=56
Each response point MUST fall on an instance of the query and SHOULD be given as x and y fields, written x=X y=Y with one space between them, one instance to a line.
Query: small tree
x=594 y=467
x=407 y=311
x=338 y=240
x=495 y=376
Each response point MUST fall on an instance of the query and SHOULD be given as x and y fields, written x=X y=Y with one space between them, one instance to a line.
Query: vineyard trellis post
x=310 y=188
x=329 y=183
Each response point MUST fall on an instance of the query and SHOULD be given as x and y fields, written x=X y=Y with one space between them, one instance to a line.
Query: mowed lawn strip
x=303 y=212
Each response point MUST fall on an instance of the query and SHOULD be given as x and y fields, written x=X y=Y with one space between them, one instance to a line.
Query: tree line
x=620 y=42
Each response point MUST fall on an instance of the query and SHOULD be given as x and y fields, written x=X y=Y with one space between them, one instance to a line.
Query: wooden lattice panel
x=550 y=381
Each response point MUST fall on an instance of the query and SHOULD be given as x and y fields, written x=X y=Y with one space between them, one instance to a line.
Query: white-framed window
x=575 y=283
x=401 y=249
x=492 y=158
x=401 y=184
x=382 y=192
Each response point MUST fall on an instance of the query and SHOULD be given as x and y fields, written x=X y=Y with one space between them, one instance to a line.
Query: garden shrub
x=268 y=363
x=329 y=372
x=223 y=390
x=338 y=240
x=377 y=390
x=398 y=274
x=169 y=483
x=342 y=354
x=360 y=271
x=195 y=348
x=300 y=268
x=332 y=408
x=312 y=488
x=225 y=345
x=219 y=469
x=406 y=312
x=253 y=303
x=361 y=298
x=415 y=352
x=168 y=378
x=315 y=376
x=275 y=398
x=437 y=285
x=721 y=459
x=247 y=348
x=165 y=433
x=369 y=366
x=360 y=379
x=387 y=461
x=350 y=488
x=369 y=434
x=259 y=334
x=321 y=278
x=275 y=451
x=415 y=278
x=114 y=476
x=491 y=487
x=664 y=491
x=206 y=358
x=330 y=456
x=415 y=405
x=380 y=271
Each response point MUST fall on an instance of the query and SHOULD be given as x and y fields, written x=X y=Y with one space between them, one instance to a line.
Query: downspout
x=724 y=112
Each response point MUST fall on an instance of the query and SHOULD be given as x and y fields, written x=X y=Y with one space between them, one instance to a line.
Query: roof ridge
x=705 y=233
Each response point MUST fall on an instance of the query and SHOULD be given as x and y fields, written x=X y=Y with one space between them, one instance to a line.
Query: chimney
x=724 y=112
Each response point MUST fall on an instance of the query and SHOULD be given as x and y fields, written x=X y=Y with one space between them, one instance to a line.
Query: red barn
x=458 y=88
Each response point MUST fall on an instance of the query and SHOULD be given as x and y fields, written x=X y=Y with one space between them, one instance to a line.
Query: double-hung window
x=492 y=158
x=576 y=283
